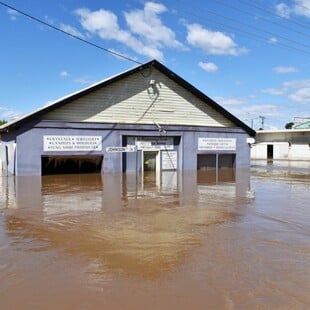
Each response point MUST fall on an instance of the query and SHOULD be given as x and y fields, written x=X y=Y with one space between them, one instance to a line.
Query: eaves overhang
x=153 y=63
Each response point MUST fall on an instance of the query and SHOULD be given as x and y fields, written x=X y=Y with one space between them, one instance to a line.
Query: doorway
x=269 y=151
x=71 y=164
x=150 y=161
x=151 y=168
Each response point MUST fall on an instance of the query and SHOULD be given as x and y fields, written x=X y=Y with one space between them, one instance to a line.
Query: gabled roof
x=154 y=63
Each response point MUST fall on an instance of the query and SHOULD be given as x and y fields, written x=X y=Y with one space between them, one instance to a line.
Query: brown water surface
x=205 y=240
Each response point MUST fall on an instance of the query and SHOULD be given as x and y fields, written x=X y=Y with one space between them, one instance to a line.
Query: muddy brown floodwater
x=231 y=240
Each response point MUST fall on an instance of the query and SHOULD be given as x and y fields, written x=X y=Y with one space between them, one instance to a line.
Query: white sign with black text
x=71 y=143
x=216 y=144
x=121 y=149
x=169 y=160
x=154 y=143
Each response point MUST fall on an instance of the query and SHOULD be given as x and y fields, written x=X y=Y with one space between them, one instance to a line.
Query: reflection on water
x=133 y=227
x=294 y=171
x=173 y=240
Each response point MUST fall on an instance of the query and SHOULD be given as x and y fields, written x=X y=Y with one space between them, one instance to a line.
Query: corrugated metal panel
x=136 y=100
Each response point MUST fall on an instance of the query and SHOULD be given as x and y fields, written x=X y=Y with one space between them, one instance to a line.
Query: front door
x=149 y=161
x=269 y=151
x=151 y=168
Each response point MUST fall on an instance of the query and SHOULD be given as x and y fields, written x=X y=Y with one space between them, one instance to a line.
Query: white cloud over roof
x=208 y=66
x=8 y=114
x=147 y=24
x=295 y=90
x=212 y=42
x=146 y=34
x=228 y=101
x=71 y=30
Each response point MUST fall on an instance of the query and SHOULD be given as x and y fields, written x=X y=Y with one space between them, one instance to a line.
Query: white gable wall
x=135 y=100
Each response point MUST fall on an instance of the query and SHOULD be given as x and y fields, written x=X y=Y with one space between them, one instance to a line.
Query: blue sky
x=252 y=57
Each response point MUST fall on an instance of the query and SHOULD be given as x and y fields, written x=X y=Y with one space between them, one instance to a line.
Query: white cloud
x=283 y=10
x=270 y=127
x=301 y=95
x=147 y=24
x=283 y=69
x=13 y=14
x=105 y=24
x=212 y=42
x=146 y=35
x=250 y=114
x=297 y=84
x=273 y=40
x=118 y=53
x=71 y=30
x=298 y=7
x=302 y=7
x=295 y=90
x=102 y=21
x=83 y=80
x=262 y=109
x=208 y=66
x=8 y=114
x=273 y=91
x=49 y=20
x=64 y=74
x=230 y=101
x=249 y=111
x=240 y=82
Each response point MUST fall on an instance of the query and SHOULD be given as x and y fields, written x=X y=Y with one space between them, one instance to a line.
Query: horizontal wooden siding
x=143 y=98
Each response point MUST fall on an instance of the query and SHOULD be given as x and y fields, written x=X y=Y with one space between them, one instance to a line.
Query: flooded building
x=145 y=119
x=290 y=144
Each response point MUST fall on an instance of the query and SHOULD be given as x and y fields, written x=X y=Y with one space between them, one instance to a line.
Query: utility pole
x=262 y=121
x=251 y=119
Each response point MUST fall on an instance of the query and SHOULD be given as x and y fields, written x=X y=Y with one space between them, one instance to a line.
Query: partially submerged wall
x=7 y=158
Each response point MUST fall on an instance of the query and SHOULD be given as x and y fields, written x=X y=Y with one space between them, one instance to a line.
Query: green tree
x=289 y=125
x=2 y=122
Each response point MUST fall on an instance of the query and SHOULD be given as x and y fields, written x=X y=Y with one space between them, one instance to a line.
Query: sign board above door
x=121 y=149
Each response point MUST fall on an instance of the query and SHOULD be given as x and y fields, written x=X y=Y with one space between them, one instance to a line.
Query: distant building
x=305 y=125
x=147 y=118
x=290 y=144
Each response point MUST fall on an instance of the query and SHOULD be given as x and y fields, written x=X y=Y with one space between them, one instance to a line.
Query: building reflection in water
x=140 y=225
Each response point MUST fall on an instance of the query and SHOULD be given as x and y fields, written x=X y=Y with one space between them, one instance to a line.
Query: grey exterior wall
x=29 y=141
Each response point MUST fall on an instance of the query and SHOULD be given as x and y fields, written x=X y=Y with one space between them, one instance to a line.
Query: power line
x=254 y=27
x=292 y=20
x=302 y=6
x=69 y=34
x=247 y=33
x=262 y=18
x=251 y=35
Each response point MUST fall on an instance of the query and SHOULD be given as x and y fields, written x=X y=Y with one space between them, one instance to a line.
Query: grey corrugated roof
x=154 y=63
